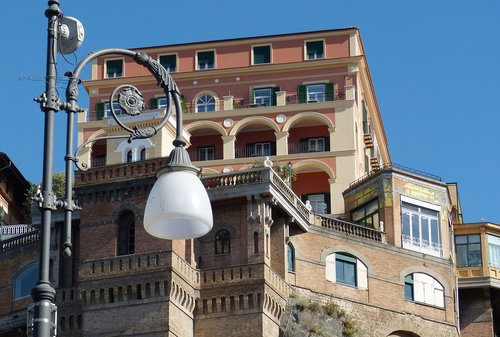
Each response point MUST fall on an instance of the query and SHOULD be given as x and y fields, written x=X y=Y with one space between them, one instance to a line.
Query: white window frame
x=260 y=99
x=431 y=246
x=306 y=55
x=314 y=96
x=176 y=61
x=115 y=74
x=214 y=66
x=206 y=153
x=316 y=144
x=270 y=53
x=107 y=109
x=259 y=149
x=427 y=290
x=361 y=271
x=205 y=104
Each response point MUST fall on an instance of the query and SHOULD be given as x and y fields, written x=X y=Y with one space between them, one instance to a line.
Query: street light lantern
x=178 y=206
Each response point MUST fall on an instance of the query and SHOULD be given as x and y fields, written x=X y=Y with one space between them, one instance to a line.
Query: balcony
x=20 y=241
x=422 y=246
x=349 y=228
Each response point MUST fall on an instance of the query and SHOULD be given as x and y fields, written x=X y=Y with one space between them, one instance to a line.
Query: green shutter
x=329 y=91
x=99 y=111
x=301 y=93
x=153 y=103
x=273 y=95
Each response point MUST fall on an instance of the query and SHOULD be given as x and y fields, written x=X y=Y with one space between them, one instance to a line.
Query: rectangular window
x=205 y=60
x=314 y=93
x=262 y=55
x=345 y=269
x=366 y=215
x=315 y=50
x=206 y=153
x=316 y=144
x=169 y=62
x=409 y=288
x=262 y=149
x=107 y=109
x=114 y=68
x=494 y=250
x=262 y=97
x=420 y=229
x=158 y=103
x=468 y=249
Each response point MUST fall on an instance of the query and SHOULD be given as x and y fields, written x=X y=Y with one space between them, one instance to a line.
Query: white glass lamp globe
x=178 y=207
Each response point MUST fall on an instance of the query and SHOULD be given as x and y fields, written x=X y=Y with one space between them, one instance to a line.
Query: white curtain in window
x=494 y=250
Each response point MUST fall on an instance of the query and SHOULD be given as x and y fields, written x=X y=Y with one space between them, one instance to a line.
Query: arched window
x=291 y=258
x=205 y=103
x=346 y=269
x=25 y=280
x=129 y=156
x=222 y=242
x=424 y=288
x=126 y=233
x=143 y=154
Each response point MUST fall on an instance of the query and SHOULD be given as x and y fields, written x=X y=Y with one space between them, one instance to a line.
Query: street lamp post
x=188 y=215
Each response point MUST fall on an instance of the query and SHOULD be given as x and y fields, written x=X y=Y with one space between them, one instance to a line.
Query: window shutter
x=327 y=143
x=273 y=148
x=301 y=93
x=273 y=95
x=330 y=272
x=329 y=91
x=99 y=111
x=362 y=273
x=153 y=103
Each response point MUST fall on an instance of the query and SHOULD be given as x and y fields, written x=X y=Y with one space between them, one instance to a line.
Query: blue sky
x=434 y=65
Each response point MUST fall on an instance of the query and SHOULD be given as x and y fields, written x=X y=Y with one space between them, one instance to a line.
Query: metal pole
x=43 y=294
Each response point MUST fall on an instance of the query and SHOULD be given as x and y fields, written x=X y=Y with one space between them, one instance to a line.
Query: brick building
x=343 y=225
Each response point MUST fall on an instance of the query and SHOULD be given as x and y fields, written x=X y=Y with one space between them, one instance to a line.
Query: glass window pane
x=415 y=227
x=406 y=224
x=409 y=292
x=461 y=239
x=425 y=228
x=169 y=62
x=435 y=231
x=475 y=255
x=475 y=238
x=462 y=256
x=206 y=60
x=262 y=54
x=314 y=50
x=114 y=68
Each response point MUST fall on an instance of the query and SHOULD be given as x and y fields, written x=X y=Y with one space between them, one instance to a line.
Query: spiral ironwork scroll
x=129 y=98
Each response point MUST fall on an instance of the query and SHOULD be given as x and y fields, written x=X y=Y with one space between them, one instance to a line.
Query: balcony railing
x=304 y=148
x=422 y=246
x=352 y=229
x=20 y=241
x=258 y=175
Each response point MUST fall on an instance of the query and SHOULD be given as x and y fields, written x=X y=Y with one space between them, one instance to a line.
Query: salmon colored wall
x=204 y=141
x=311 y=182
x=236 y=53
x=244 y=138
x=296 y=134
x=233 y=56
